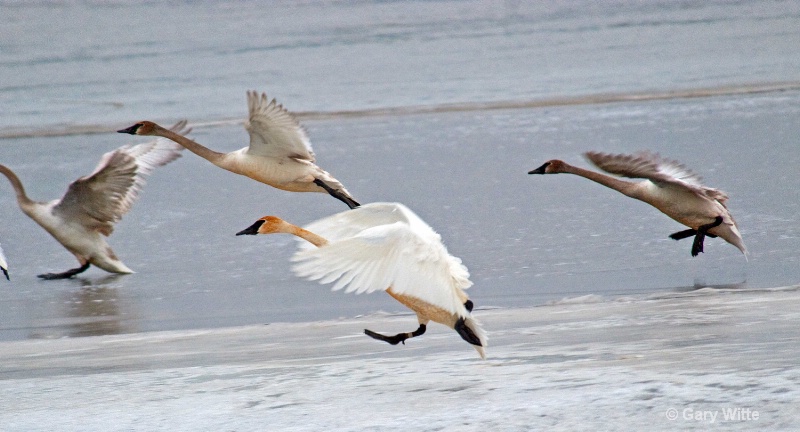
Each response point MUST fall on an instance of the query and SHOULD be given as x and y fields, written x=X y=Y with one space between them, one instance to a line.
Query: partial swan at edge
x=94 y=203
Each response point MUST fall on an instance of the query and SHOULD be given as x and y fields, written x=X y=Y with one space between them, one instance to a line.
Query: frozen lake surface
x=590 y=364
x=526 y=239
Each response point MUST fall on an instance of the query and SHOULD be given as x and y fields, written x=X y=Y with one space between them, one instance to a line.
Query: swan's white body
x=386 y=247
x=87 y=212
x=668 y=186
x=279 y=153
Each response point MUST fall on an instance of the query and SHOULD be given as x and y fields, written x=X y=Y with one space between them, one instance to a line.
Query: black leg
x=400 y=337
x=683 y=234
x=337 y=194
x=680 y=235
x=65 y=275
x=697 y=245
x=466 y=333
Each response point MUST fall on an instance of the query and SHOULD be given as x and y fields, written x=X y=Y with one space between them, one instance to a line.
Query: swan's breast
x=282 y=173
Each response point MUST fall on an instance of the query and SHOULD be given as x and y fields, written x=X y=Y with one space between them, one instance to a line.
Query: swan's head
x=266 y=225
x=554 y=166
x=141 y=128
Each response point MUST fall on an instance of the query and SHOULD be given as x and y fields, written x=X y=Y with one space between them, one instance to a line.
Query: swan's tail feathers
x=339 y=193
x=471 y=331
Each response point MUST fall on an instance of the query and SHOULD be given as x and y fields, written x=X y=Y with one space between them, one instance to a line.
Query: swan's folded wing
x=274 y=131
x=387 y=256
x=101 y=199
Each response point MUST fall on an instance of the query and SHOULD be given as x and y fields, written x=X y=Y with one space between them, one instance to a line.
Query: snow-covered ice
x=615 y=364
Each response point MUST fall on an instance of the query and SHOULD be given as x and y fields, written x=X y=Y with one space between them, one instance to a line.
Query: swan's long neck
x=306 y=235
x=198 y=149
x=628 y=188
x=22 y=199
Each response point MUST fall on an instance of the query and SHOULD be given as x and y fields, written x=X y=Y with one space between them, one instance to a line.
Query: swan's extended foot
x=337 y=194
x=469 y=305
x=67 y=274
x=680 y=235
x=396 y=339
x=466 y=333
x=697 y=245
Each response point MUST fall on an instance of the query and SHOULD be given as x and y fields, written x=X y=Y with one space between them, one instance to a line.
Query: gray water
x=70 y=68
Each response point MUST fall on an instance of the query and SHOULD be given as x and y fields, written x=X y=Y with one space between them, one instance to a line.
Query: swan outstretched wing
x=351 y=222
x=101 y=199
x=274 y=131
x=397 y=255
x=655 y=168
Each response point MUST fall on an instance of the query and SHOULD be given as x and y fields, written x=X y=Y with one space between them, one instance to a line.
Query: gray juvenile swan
x=668 y=186
x=279 y=153
x=386 y=247
x=93 y=204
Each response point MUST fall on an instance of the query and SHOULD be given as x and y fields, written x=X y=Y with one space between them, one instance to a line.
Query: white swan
x=4 y=264
x=94 y=203
x=386 y=247
x=279 y=153
x=668 y=186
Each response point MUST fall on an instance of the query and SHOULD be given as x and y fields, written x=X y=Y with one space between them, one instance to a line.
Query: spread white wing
x=383 y=245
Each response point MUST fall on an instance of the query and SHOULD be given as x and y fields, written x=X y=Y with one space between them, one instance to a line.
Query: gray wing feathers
x=274 y=131
x=100 y=199
x=655 y=168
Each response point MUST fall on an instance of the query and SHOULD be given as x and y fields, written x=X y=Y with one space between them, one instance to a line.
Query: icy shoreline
x=583 y=364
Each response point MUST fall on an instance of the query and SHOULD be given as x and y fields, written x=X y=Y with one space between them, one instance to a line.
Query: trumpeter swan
x=668 y=186
x=279 y=153
x=4 y=264
x=386 y=247
x=94 y=203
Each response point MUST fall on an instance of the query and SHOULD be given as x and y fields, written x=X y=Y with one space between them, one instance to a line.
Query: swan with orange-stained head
x=668 y=186
x=386 y=247
x=279 y=153
x=93 y=204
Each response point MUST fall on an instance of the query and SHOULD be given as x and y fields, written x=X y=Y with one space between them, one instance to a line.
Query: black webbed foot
x=680 y=235
x=65 y=275
x=337 y=194
x=396 y=339
x=466 y=333
x=469 y=305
